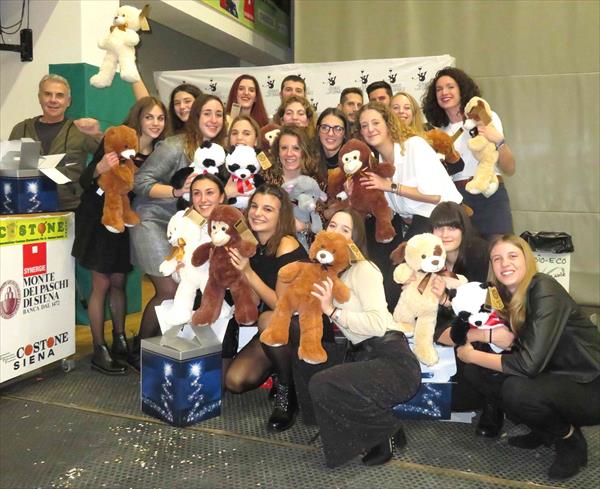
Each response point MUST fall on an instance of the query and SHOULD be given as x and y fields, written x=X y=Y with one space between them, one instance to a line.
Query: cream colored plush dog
x=120 y=46
x=416 y=312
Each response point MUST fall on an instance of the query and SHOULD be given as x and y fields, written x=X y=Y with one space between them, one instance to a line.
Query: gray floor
x=85 y=430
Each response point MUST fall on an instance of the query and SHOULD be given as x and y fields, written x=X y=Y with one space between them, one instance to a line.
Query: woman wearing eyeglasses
x=332 y=127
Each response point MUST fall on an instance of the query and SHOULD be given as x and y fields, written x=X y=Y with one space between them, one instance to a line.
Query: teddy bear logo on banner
x=416 y=312
x=329 y=255
x=120 y=45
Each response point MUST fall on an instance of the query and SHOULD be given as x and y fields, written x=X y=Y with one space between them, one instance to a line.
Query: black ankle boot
x=103 y=362
x=133 y=359
x=527 y=442
x=119 y=349
x=284 y=408
x=273 y=389
x=491 y=421
x=571 y=456
x=383 y=452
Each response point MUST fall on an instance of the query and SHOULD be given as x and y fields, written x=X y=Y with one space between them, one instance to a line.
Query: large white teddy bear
x=185 y=233
x=120 y=46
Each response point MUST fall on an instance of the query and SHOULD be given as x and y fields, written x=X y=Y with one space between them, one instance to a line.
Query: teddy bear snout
x=324 y=257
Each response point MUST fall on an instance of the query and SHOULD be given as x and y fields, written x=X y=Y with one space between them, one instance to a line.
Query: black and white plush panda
x=243 y=167
x=208 y=158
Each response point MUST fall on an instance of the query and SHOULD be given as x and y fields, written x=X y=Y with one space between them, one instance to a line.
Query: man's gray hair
x=55 y=78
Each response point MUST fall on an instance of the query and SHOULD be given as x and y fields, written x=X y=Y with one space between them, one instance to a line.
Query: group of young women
x=548 y=377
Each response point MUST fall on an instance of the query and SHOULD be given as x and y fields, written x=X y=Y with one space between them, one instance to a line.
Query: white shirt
x=420 y=167
x=461 y=146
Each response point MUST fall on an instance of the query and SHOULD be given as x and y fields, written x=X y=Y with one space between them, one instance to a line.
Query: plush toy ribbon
x=442 y=273
x=241 y=182
x=494 y=320
x=178 y=251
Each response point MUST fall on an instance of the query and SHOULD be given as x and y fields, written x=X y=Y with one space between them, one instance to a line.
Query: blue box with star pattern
x=433 y=400
x=180 y=379
x=26 y=195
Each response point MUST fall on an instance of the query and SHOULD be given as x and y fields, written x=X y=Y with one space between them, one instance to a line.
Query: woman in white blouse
x=353 y=401
x=419 y=183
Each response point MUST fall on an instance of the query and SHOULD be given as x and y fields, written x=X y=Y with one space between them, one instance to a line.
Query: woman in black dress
x=104 y=253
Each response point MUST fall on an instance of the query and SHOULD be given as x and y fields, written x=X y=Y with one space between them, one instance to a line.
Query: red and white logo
x=34 y=259
x=10 y=299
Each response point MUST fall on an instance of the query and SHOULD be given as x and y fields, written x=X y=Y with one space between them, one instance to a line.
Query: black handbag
x=549 y=241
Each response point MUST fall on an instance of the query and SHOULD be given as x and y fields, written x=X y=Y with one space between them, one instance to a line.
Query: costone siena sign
x=37 y=292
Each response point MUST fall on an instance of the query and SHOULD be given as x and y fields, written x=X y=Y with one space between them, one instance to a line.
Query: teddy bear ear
x=257 y=151
x=397 y=256
x=485 y=285
x=231 y=150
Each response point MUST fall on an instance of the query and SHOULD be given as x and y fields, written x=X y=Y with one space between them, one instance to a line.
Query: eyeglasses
x=325 y=128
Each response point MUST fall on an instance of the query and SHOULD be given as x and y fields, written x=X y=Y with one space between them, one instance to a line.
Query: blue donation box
x=181 y=378
x=28 y=180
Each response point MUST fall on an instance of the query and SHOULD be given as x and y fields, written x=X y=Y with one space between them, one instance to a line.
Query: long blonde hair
x=398 y=131
x=418 y=121
x=516 y=304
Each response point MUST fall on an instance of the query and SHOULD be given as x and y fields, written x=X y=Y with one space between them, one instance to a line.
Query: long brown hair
x=359 y=233
x=142 y=106
x=176 y=124
x=516 y=304
x=310 y=164
x=258 y=111
x=286 y=225
x=398 y=132
x=250 y=121
x=192 y=136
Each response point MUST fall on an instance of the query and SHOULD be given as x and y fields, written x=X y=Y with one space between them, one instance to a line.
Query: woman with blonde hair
x=549 y=379
x=408 y=111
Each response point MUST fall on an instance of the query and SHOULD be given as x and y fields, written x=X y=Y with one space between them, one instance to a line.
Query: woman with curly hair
x=298 y=111
x=419 y=183
x=443 y=105
x=245 y=92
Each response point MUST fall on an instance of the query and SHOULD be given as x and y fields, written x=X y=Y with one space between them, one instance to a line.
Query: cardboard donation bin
x=552 y=251
x=433 y=399
x=27 y=180
x=181 y=378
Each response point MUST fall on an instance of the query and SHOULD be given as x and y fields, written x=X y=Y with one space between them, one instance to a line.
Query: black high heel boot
x=383 y=452
x=284 y=408
x=103 y=362
x=133 y=359
x=120 y=349
x=571 y=456
x=491 y=421
x=273 y=389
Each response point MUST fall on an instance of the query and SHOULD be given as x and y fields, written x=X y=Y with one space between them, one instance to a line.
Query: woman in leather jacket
x=551 y=376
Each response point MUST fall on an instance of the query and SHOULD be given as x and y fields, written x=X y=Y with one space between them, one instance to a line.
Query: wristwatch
x=394 y=188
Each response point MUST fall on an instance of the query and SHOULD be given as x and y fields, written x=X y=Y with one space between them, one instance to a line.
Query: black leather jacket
x=556 y=337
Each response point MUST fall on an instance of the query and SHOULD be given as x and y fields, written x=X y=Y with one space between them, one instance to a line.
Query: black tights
x=114 y=284
x=164 y=289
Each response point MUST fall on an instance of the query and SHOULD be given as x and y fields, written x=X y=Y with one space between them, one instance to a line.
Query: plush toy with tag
x=185 y=232
x=485 y=180
x=118 y=181
x=208 y=158
x=421 y=257
x=268 y=134
x=305 y=194
x=443 y=145
x=329 y=255
x=243 y=166
x=472 y=306
x=225 y=226
x=355 y=158
x=120 y=44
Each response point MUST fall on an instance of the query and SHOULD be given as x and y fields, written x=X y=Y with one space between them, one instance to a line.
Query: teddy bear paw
x=112 y=229
x=99 y=81
x=426 y=355
x=313 y=358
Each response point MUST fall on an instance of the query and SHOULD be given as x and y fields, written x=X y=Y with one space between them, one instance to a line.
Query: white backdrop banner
x=324 y=81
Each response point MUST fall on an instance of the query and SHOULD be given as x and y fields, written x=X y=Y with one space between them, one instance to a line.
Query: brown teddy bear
x=268 y=134
x=118 y=181
x=485 y=180
x=354 y=159
x=225 y=226
x=416 y=312
x=330 y=255
x=443 y=144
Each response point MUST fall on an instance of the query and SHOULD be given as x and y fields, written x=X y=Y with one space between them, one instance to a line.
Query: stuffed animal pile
x=118 y=181
x=305 y=193
x=355 y=158
x=185 y=233
x=120 y=45
x=329 y=255
x=416 y=312
x=224 y=229
x=485 y=180
x=472 y=309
